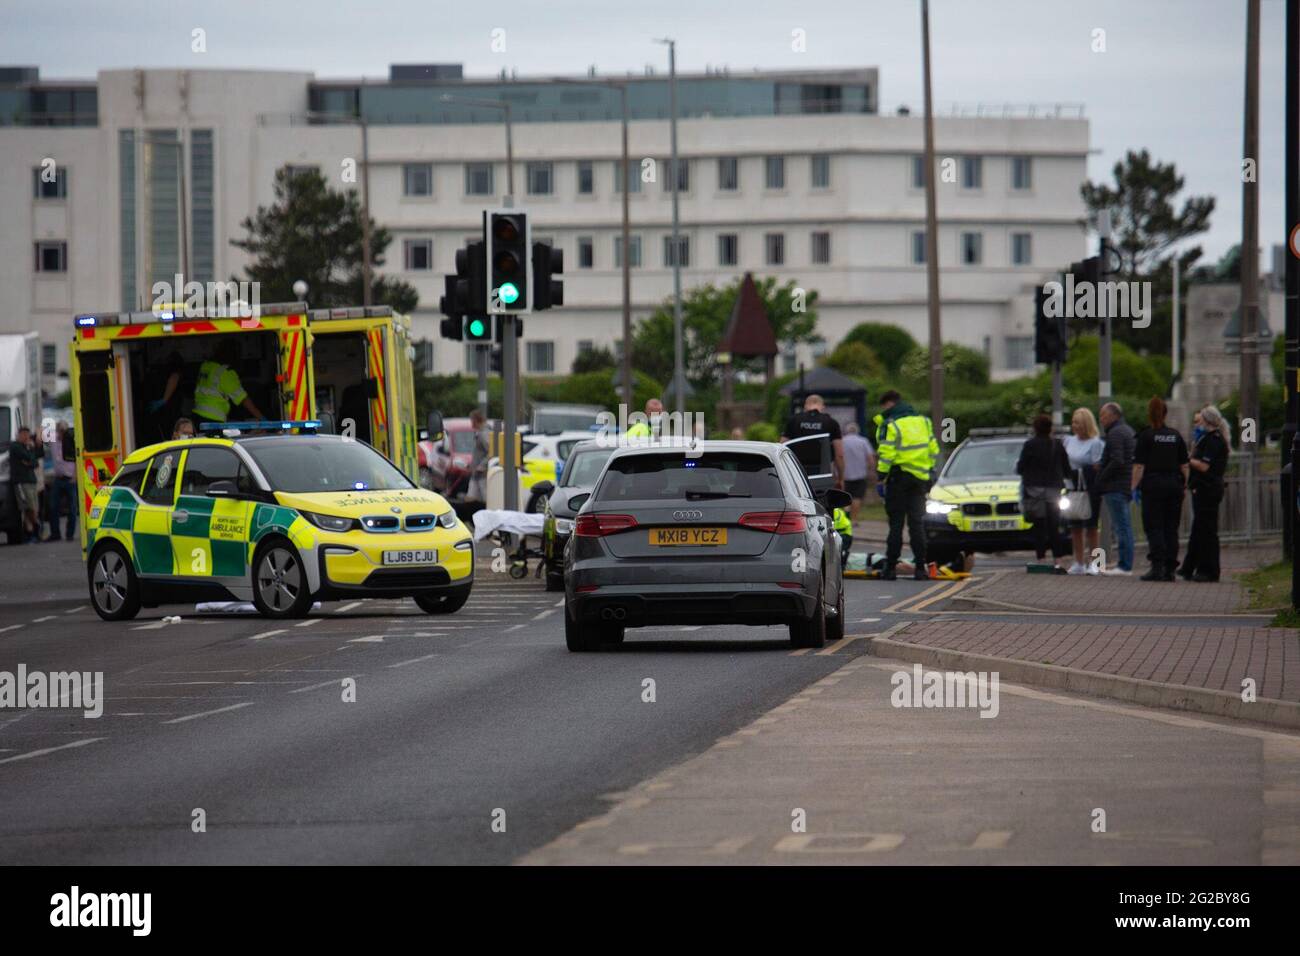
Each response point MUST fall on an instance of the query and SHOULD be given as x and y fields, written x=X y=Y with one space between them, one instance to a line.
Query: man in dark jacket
x=1115 y=477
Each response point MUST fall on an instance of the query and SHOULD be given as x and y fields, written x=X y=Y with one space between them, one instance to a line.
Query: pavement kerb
x=1217 y=703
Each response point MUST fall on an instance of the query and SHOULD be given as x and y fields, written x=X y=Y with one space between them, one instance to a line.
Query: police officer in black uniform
x=813 y=423
x=1209 y=460
x=1160 y=473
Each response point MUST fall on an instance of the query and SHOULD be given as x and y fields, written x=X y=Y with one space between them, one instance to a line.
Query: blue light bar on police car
x=85 y=320
x=272 y=425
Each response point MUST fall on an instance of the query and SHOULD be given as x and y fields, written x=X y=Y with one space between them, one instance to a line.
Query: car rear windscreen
x=676 y=477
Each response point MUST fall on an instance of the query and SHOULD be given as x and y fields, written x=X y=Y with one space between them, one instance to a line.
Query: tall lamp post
x=679 y=370
x=931 y=233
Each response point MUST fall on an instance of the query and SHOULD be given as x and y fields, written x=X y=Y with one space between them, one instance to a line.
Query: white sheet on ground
x=511 y=522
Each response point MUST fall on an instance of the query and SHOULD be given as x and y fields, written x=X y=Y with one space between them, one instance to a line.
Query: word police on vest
x=75 y=909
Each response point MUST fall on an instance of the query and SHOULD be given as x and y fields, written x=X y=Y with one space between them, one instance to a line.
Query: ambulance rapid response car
x=281 y=516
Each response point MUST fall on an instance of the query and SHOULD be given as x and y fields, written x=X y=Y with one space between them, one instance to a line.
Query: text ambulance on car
x=135 y=373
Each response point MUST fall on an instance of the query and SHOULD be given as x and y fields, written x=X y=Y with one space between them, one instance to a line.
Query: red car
x=444 y=465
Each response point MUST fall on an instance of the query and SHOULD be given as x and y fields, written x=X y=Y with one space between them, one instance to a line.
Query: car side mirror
x=577 y=501
x=835 y=498
x=433 y=425
x=223 y=489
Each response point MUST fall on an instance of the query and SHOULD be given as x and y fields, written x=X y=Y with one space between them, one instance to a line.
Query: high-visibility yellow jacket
x=639 y=430
x=219 y=388
x=906 y=442
x=842 y=523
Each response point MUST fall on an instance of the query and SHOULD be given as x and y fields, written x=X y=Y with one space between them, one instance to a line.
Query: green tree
x=890 y=343
x=1131 y=374
x=856 y=361
x=962 y=366
x=1145 y=229
x=705 y=311
x=313 y=233
x=593 y=360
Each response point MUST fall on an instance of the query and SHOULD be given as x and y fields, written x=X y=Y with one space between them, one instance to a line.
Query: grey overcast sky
x=1171 y=79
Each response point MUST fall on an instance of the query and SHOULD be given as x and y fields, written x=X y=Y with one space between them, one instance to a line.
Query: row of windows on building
x=539 y=177
x=539 y=356
x=418 y=253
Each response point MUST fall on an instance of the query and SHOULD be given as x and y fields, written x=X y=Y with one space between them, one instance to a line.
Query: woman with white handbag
x=1084 y=448
x=1043 y=468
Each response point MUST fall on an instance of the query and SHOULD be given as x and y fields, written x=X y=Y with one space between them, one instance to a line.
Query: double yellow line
x=939 y=591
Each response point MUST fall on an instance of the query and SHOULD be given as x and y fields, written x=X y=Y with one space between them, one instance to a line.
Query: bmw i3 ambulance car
x=282 y=519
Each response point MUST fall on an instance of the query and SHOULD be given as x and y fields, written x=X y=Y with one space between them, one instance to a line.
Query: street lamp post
x=931 y=233
x=679 y=372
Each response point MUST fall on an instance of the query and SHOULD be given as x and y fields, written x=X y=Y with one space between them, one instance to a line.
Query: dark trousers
x=905 y=501
x=1203 y=544
x=1162 y=508
x=60 y=490
x=1047 y=531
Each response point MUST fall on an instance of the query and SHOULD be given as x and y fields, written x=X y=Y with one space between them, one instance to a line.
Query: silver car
x=717 y=532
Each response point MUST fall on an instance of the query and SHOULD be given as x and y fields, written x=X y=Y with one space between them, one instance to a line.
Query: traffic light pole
x=509 y=377
x=481 y=361
x=1058 y=414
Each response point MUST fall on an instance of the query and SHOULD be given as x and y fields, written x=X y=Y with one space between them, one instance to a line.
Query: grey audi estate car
x=715 y=532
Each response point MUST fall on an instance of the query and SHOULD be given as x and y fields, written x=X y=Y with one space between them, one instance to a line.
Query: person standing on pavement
x=24 y=459
x=1084 y=448
x=908 y=453
x=478 y=463
x=808 y=430
x=1208 y=461
x=859 y=463
x=1160 y=472
x=1114 y=481
x=62 y=488
x=1043 y=468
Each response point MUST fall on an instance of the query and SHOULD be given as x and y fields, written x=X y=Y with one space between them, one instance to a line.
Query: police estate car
x=279 y=519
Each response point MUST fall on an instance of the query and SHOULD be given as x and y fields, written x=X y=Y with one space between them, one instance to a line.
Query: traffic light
x=547 y=262
x=1089 y=270
x=465 y=292
x=478 y=328
x=1051 y=343
x=508 y=249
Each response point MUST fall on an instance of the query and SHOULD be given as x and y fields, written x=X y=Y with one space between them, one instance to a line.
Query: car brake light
x=777 y=522
x=597 y=526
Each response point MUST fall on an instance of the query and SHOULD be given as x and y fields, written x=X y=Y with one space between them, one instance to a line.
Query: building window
x=472 y=351
x=1020 y=351
x=633 y=177
x=293 y=172
x=586 y=252
x=634 y=252
x=918 y=248
x=478 y=179
x=972 y=248
x=774 y=248
x=417 y=179
x=918 y=172
x=821 y=171
x=586 y=178
x=541 y=357
x=728 y=173
x=683 y=175
x=774 y=172
x=1022 y=172
x=821 y=248
x=789 y=361
x=684 y=245
x=51 y=257
x=972 y=172
x=50 y=182
x=49 y=359
x=728 y=249
x=417 y=254
x=585 y=346
x=540 y=179
x=424 y=356
x=1022 y=250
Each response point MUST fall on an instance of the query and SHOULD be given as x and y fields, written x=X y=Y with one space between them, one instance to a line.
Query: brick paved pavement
x=1071 y=594
x=1213 y=658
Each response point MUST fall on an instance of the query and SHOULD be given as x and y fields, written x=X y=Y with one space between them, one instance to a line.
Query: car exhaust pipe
x=619 y=613
x=606 y=614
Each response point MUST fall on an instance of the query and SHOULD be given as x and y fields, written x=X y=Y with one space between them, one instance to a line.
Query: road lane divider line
x=258 y=637
x=42 y=620
x=74 y=610
x=895 y=608
x=347 y=607
x=957 y=586
x=11 y=627
x=208 y=713
x=413 y=660
x=309 y=623
x=49 y=750
x=544 y=614
x=337 y=682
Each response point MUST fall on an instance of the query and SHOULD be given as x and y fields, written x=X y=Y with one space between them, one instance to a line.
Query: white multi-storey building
x=795 y=175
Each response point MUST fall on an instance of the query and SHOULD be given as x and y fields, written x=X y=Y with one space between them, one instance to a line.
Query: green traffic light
x=477 y=328
x=508 y=293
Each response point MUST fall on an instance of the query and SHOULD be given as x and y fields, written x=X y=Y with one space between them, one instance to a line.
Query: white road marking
x=74 y=610
x=11 y=627
x=258 y=637
x=42 y=620
x=868 y=620
x=413 y=660
x=50 y=750
x=208 y=713
x=372 y=639
x=314 y=620
x=515 y=627
x=545 y=613
x=347 y=607
x=337 y=682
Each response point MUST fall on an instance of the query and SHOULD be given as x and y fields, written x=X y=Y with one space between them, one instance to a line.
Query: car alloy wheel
x=280 y=583
x=114 y=590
